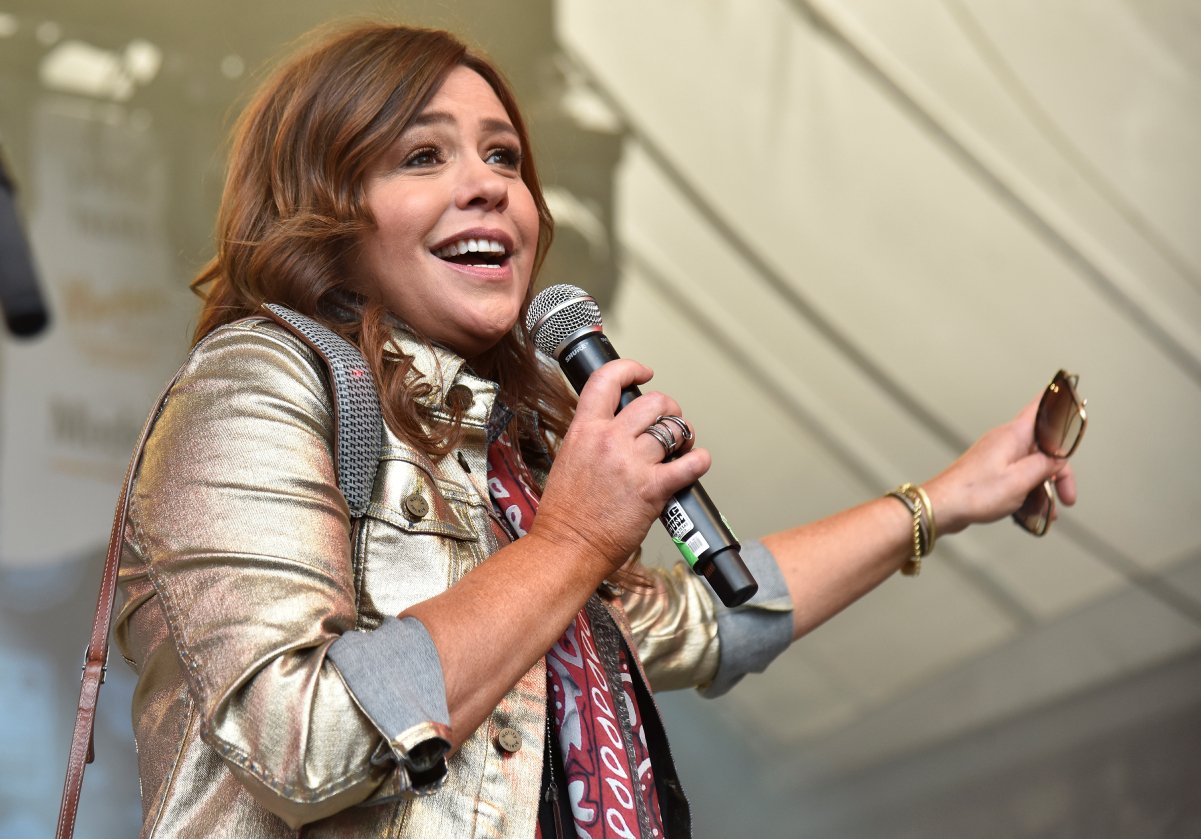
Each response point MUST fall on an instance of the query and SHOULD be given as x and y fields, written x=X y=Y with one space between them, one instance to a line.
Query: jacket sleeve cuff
x=750 y=636
x=395 y=677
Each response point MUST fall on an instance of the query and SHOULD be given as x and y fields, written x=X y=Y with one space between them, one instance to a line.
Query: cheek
x=524 y=211
x=404 y=214
x=393 y=229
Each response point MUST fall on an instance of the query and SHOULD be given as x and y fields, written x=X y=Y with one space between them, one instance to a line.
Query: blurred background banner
x=75 y=398
x=878 y=228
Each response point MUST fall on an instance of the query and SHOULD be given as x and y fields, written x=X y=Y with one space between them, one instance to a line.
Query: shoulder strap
x=95 y=664
x=358 y=420
x=358 y=438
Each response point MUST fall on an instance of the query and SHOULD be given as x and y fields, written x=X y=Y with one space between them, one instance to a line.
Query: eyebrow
x=443 y=118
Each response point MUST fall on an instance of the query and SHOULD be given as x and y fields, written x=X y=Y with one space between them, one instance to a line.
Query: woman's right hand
x=609 y=482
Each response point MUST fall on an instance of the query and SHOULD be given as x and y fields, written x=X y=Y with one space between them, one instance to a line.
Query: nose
x=482 y=187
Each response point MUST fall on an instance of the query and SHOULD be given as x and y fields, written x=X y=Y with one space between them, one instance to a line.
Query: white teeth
x=469 y=246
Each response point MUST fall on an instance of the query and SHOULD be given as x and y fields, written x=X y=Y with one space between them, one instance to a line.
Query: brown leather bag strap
x=95 y=664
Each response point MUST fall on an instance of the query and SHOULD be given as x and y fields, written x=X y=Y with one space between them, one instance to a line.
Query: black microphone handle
x=700 y=532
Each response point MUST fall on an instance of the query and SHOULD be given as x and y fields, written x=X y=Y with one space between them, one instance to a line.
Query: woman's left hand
x=991 y=479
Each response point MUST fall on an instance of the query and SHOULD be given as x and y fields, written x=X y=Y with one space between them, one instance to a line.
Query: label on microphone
x=686 y=552
x=676 y=521
x=697 y=543
x=691 y=543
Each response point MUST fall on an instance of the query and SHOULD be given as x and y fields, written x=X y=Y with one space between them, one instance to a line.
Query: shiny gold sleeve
x=674 y=625
x=246 y=540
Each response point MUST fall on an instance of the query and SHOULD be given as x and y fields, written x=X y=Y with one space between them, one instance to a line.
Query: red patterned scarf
x=600 y=782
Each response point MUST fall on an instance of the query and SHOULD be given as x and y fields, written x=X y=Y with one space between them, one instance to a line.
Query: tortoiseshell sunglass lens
x=1058 y=428
x=1059 y=425
x=1035 y=513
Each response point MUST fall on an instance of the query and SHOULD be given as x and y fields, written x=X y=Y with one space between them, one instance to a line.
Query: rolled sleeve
x=395 y=676
x=750 y=636
x=246 y=542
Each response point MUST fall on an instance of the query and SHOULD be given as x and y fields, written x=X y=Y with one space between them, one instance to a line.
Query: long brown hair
x=293 y=212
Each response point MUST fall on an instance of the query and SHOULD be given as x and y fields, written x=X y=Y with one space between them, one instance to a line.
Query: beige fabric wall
x=848 y=236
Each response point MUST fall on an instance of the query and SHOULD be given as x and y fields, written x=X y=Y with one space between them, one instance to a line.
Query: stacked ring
x=660 y=430
x=685 y=431
x=666 y=439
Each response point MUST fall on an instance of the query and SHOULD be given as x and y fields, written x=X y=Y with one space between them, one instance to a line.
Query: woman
x=473 y=656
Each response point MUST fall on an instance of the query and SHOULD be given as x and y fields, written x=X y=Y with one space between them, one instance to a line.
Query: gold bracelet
x=918 y=504
x=932 y=529
x=913 y=566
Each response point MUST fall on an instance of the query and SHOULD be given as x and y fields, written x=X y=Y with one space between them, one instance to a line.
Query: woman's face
x=456 y=226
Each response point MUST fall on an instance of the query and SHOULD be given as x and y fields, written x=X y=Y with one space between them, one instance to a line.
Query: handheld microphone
x=21 y=302
x=565 y=323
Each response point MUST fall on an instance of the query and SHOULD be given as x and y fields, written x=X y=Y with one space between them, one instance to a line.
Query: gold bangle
x=933 y=530
x=917 y=503
x=913 y=566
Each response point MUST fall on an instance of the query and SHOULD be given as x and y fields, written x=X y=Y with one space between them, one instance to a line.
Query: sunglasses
x=1058 y=429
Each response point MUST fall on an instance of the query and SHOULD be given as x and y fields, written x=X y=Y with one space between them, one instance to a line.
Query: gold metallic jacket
x=241 y=566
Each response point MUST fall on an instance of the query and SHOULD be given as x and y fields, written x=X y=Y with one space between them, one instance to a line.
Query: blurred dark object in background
x=21 y=301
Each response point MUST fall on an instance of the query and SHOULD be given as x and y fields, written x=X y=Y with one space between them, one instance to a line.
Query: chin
x=479 y=340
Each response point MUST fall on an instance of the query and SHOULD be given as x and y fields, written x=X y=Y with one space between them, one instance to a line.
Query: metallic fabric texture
x=241 y=567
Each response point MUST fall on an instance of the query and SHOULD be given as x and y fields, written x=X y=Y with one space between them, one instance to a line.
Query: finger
x=1065 y=485
x=601 y=394
x=1033 y=469
x=673 y=433
x=681 y=429
x=655 y=442
x=685 y=470
x=646 y=410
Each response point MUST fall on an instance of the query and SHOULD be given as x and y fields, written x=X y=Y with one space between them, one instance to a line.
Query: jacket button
x=509 y=739
x=415 y=506
x=460 y=396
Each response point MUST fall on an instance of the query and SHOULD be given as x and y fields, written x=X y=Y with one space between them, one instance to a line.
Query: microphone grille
x=558 y=313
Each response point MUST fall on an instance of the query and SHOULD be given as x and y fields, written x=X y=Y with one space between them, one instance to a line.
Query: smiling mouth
x=477 y=253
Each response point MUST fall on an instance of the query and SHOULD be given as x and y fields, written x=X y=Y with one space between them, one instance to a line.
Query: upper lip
x=477 y=233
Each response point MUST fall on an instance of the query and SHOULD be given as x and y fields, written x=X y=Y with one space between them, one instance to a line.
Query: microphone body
x=699 y=531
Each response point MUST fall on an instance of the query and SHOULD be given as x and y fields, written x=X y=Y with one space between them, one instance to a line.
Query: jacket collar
x=446 y=371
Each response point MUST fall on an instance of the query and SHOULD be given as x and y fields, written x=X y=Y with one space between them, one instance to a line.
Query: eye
x=422 y=157
x=507 y=156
